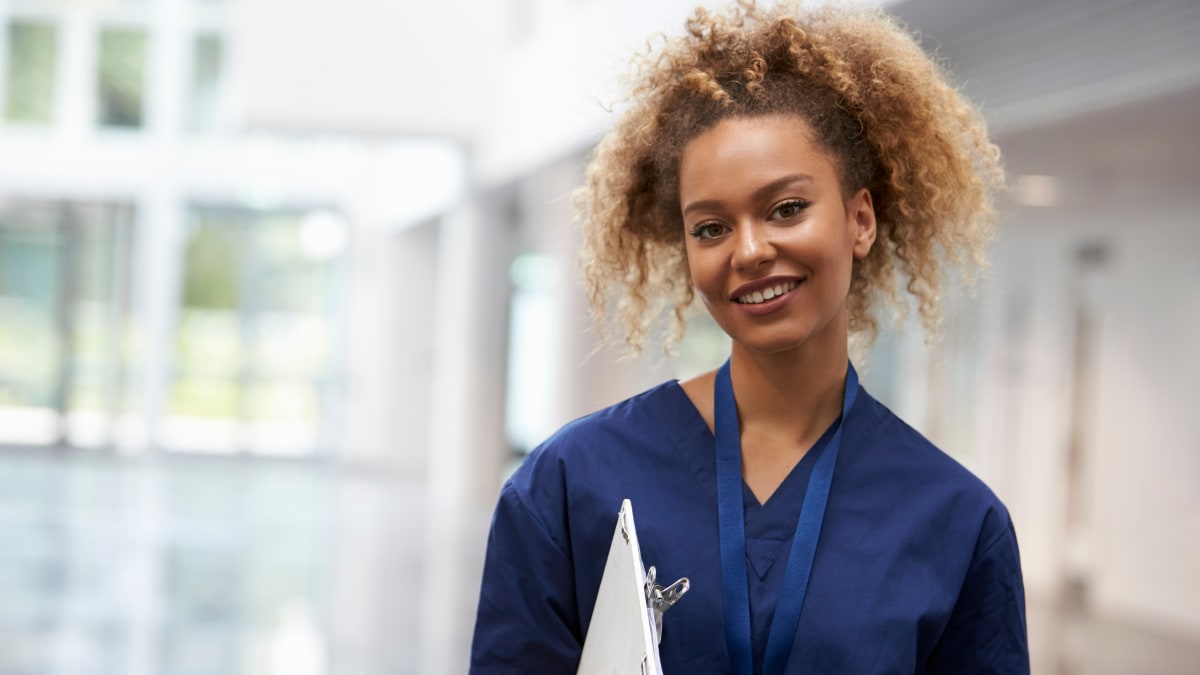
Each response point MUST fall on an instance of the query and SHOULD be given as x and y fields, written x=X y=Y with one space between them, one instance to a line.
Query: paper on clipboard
x=626 y=624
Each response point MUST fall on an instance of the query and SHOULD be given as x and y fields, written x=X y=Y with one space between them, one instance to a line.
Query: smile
x=765 y=294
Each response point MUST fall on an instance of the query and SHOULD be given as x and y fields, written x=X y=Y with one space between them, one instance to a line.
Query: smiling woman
x=763 y=205
x=876 y=105
x=771 y=248
x=785 y=167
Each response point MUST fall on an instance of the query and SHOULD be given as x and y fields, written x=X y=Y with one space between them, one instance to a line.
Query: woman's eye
x=708 y=230
x=789 y=209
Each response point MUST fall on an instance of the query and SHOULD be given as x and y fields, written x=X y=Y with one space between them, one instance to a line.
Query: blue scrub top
x=916 y=569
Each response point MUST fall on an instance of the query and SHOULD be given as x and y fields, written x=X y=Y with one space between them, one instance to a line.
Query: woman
x=786 y=166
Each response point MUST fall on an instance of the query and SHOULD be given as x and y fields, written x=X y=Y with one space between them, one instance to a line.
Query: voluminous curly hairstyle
x=880 y=107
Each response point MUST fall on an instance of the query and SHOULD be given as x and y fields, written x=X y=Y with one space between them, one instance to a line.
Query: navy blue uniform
x=916 y=568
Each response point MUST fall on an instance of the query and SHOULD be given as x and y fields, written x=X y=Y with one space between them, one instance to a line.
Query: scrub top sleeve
x=986 y=631
x=527 y=620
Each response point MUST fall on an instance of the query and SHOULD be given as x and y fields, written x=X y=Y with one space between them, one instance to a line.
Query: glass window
x=121 y=77
x=30 y=275
x=32 y=62
x=65 y=337
x=208 y=61
x=102 y=324
x=254 y=357
x=532 y=350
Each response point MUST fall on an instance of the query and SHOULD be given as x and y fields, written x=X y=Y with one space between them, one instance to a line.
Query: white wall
x=1146 y=497
x=552 y=88
x=1139 y=545
x=1128 y=181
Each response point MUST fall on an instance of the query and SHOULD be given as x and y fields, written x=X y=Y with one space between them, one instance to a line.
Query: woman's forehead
x=743 y=153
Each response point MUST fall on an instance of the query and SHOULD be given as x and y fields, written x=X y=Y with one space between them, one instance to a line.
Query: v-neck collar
x=769 y=526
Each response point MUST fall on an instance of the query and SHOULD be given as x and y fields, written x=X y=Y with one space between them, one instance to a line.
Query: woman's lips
x=757 y=302
x=759 y=296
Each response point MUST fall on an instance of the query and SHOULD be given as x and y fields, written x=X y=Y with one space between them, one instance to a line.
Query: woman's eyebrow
x=760 y=193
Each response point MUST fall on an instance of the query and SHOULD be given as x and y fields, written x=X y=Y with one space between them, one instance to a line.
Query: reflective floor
x=197 y=566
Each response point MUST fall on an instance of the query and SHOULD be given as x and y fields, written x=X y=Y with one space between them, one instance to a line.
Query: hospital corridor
x=287 y=291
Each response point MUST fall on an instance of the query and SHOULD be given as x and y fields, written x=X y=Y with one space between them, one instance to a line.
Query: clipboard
x=626 y=624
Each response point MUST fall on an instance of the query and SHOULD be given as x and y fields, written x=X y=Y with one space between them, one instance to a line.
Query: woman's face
x=771 y=239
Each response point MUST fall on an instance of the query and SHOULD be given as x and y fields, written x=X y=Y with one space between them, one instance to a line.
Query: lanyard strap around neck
x=731 y=517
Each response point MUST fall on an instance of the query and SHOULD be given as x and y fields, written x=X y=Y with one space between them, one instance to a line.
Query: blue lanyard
x=732 y=521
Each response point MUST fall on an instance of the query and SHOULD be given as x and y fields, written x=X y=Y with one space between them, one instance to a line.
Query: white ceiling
x=1151 y=144
x=365 y=67
x=455 y=70
x=1031 y=63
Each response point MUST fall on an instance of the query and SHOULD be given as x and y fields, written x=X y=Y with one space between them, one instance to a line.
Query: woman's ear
x=862 y=215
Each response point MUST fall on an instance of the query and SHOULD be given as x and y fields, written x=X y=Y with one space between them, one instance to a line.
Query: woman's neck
x=793 y=396
x=785 y=402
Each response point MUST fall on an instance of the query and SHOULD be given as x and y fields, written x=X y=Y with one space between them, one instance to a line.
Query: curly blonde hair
x=879 y=106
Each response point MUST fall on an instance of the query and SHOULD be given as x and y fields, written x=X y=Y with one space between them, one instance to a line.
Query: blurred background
x=286 y=289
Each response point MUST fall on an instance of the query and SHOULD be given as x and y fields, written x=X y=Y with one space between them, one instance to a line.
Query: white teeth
x=767 y=293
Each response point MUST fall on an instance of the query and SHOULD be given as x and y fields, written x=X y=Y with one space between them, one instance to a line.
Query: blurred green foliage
x=254 y=339
x=32 y=60
x=121 y=76
x=212 y=264
x=208 y=62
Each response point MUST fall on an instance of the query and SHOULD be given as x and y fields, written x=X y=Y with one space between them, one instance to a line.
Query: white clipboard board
x=626 y=624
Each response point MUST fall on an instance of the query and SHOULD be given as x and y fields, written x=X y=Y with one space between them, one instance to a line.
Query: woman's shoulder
x=621 y=432
x=597 y=456
x=891 y=451
x=649 y=412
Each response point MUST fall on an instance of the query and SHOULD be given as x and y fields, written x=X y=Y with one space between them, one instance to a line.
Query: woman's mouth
x=764 y=294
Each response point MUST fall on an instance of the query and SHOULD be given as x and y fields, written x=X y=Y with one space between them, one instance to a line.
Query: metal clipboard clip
x=626 y=627
x=659 y=599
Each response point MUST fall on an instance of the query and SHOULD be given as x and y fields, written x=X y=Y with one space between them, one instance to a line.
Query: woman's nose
x=752 y=246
